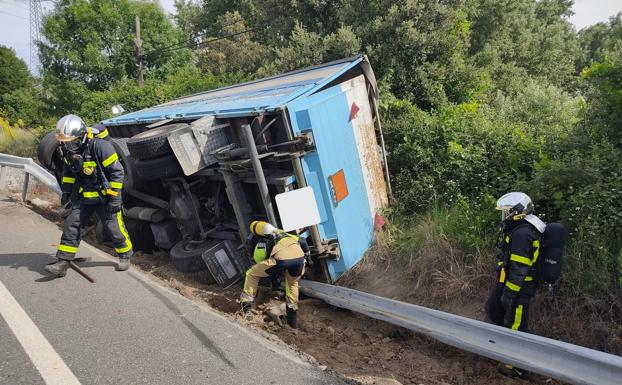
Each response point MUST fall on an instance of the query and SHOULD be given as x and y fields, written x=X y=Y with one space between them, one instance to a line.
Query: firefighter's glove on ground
x=114 y=206
x=65 y=198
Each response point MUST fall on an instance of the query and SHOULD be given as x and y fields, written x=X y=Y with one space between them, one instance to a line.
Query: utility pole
x=35 y=35
x=139 y=56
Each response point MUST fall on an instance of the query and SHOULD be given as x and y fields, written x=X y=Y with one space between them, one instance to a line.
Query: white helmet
x=513 y=204
x=70 y=130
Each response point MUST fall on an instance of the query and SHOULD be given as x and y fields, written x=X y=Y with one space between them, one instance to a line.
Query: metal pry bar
x=80 y=271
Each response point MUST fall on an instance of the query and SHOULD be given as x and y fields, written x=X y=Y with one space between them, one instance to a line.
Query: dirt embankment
x=362 y=349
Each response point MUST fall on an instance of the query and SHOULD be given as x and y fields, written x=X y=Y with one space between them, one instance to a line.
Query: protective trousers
x=78 y=218
x=293 y=269
x=515 y=317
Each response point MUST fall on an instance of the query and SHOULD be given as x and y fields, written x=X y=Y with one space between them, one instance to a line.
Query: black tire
x=159 y=168
x=47 y=147
x=49 y=157
x=186 y=255
x=152 y=143
x=132 y=180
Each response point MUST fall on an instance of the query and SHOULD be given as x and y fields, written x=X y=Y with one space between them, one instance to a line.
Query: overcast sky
x=15 y=27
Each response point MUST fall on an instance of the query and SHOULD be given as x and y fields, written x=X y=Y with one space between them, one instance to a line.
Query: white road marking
x=50 y=365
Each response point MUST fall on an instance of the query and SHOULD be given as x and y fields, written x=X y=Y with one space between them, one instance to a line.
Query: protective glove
x=114 y=206
x=65 y=198
x=308 y=259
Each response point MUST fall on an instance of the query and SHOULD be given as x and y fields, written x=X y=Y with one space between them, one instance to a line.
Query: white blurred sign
x=297 y=209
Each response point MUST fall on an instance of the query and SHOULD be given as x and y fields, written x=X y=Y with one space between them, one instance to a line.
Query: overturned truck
x=303 y=150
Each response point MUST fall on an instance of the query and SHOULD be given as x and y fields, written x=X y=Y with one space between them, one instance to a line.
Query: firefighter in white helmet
x=276 y=253
x=517 y=267
x=92 y=181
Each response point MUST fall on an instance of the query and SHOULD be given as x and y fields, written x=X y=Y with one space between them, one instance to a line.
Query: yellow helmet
x=262 y=229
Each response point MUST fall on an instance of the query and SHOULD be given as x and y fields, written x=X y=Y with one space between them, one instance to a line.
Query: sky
x=15 y=24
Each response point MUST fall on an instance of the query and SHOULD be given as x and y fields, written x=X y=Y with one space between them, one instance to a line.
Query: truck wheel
x=48 y=156
x=186 y=255
x=152 y=143
x=159 y=168
x=132 y=180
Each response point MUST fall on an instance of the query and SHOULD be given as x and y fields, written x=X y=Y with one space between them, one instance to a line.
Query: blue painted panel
x=337 y=150
x=244 y=99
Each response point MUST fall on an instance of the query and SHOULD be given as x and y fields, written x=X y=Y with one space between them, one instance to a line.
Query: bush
x=16 y=140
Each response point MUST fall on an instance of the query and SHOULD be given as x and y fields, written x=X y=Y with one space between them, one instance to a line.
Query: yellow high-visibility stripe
x=110 y=160
x=90 y=194
x=112 y=193
x=507 y=239
x=67 y=179
x=518 y=316
x=89 y=164
x=512 y=286
x=116 y=184
x=521 y=259
x=502 y=276
x=102 y=134
x=67 y=249
x=247 y=290
x=536 y=253
x=528 y=279
x=128 y=244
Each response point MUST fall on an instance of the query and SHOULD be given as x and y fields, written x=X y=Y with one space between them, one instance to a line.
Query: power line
x=18 y=4
x=201 y=43
x=184 y=45
x=14 y=15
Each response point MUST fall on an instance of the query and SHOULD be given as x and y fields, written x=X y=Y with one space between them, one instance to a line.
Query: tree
x=232 y=50
x=598 y=39
x=92 y=42
x=517 y=39
x=14 y=73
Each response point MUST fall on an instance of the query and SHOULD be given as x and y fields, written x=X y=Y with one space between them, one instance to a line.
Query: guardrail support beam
x=25 y=188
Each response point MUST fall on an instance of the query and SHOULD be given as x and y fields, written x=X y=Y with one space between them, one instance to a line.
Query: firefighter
x=517 y=267
x=92 y=181
x=276 y=253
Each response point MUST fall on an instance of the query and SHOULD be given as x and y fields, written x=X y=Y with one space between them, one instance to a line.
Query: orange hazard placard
x=338 y=187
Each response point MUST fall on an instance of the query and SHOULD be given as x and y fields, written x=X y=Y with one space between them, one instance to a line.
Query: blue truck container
x=216 y=160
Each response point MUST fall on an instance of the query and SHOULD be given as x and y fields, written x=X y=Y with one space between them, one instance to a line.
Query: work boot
x=59 y=268
x=124 y=264
x=247 y=311
x=292 y=317
x=512 y=371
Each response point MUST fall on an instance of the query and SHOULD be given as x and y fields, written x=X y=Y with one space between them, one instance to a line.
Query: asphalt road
x=124 y=329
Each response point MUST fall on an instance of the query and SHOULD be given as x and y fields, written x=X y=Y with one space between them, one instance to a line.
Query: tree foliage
x=14 y=73
x=92 y=42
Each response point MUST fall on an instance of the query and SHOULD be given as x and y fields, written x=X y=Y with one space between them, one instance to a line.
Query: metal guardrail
x=560 y=360
x=31 y=168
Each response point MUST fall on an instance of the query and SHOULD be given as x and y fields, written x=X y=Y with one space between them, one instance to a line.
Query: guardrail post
x=25 y=188
x=3 y=170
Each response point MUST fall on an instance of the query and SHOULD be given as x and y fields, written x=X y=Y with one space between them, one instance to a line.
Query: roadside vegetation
x=478 y=98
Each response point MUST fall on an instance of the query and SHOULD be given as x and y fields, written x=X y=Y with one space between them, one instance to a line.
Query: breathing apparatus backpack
x=552 y=252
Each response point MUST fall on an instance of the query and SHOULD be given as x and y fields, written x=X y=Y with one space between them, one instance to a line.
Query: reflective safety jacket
x=285 y=246
x=94 y=173
x=518 y=263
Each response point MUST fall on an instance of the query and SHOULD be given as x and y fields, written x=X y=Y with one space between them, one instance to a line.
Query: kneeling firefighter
x=275 y=253
x=92 y=180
